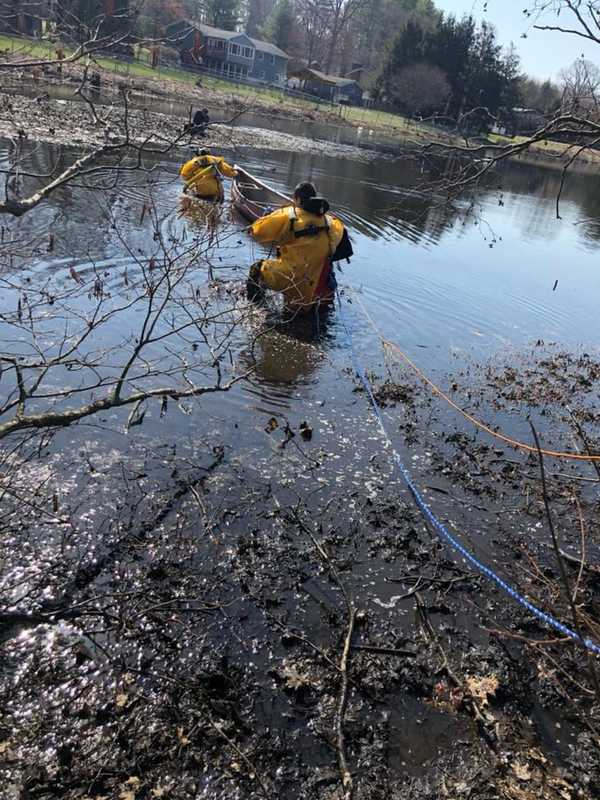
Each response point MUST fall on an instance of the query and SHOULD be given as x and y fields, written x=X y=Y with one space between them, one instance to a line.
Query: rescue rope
x=440 y=528
x=514 y=443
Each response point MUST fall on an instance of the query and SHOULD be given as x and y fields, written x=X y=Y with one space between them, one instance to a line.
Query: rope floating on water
x=547 y=619
x=514 y=443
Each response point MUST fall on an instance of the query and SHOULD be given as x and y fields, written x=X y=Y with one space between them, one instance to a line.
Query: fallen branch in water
x=485 y=721
x=382 y=651
x=562 y=568
x=345 y=774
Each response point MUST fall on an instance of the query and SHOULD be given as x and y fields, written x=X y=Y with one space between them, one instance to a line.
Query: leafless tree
x=179 y=343
x=574 y=125
x=579 y=18
x=422 y=89
x=580 y=84
x=324 y=23
x=104 y=31
x=340 y=13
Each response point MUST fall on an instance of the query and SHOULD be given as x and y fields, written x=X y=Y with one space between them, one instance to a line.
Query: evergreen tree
x=280 y=24
x=223 y=14
x=479 y=74
x=257 y=11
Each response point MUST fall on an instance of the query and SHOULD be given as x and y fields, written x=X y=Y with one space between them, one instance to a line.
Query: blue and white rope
x=441 y=529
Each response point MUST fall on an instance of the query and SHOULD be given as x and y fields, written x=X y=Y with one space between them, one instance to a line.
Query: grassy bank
x=546 y=148
x=213 y=92
x=373 y=119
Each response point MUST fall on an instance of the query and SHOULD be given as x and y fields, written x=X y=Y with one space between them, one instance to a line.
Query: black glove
x=254 y=289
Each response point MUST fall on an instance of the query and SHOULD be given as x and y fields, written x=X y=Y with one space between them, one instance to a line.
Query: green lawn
x=543 y=144
x=29 y=49
x=32 y=49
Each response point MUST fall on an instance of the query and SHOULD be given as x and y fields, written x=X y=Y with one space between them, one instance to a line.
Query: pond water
x=336 y=132
x=451 y=288
x=445 y=285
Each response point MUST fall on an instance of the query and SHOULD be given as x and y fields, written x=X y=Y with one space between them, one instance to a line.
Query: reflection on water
x=436 y=280
x=337 y=132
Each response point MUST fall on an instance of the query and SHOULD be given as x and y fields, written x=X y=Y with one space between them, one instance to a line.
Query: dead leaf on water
x=483 y=688
x=183 y=739
x=294 y=679
x=272 y=425
x=522 y=772
x=6 y=751
x=132 y=785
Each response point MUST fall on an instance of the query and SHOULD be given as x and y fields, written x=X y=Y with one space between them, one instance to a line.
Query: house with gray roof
x=335 y=88
x=230 y=53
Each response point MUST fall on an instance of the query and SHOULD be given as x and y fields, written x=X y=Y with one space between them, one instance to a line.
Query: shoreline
x=70 y=123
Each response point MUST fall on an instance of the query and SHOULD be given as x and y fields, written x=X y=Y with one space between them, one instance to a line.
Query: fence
x=127 y=69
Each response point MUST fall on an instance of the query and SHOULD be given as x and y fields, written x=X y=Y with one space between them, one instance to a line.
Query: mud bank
x=199 y=653
x=218 y=600
x=71 y=123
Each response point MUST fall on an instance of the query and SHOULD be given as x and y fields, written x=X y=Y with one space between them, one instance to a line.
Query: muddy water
x=335 y=132
x=450 y=288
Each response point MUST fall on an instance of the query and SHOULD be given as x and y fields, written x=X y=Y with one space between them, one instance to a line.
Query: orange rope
x=481 y=425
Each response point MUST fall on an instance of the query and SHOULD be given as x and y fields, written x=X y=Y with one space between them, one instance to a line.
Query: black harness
x=309 y=230
x=344 y=249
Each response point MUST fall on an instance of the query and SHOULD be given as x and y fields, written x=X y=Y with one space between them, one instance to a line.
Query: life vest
x=306 y=240
x=204 y=176
x=308 y=230
x=197 y=169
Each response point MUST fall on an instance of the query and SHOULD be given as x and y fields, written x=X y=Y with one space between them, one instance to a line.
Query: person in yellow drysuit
x=203 y=175
x=306 y=237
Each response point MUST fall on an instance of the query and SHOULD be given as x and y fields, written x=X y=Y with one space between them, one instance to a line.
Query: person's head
x=204 y=152
x=205 y=111
x=303 y=192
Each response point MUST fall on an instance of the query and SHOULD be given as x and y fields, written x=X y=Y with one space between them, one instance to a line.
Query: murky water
x=450 y=288
x=446 y=286
x=336 y=132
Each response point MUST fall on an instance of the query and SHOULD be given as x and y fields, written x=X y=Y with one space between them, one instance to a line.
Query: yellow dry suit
x=305 y=242
x=203 y=175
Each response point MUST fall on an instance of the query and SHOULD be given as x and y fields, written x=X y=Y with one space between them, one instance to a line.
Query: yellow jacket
x=202 y=175
x=305 y=244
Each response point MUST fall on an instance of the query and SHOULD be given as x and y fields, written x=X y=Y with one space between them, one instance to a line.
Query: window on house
x=260 y=55
x=219 y=44
x=272 y=59
x=234 y=49
x=247 y=52
x=262 y=74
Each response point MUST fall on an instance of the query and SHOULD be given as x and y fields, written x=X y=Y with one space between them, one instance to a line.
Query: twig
x=579 y=562
x=347 y=782
x=484 y=722
x=582 y=529
x=584 y=439
x=561 y=565
x=345 y=774
x=383 y=651
x=253 y=771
